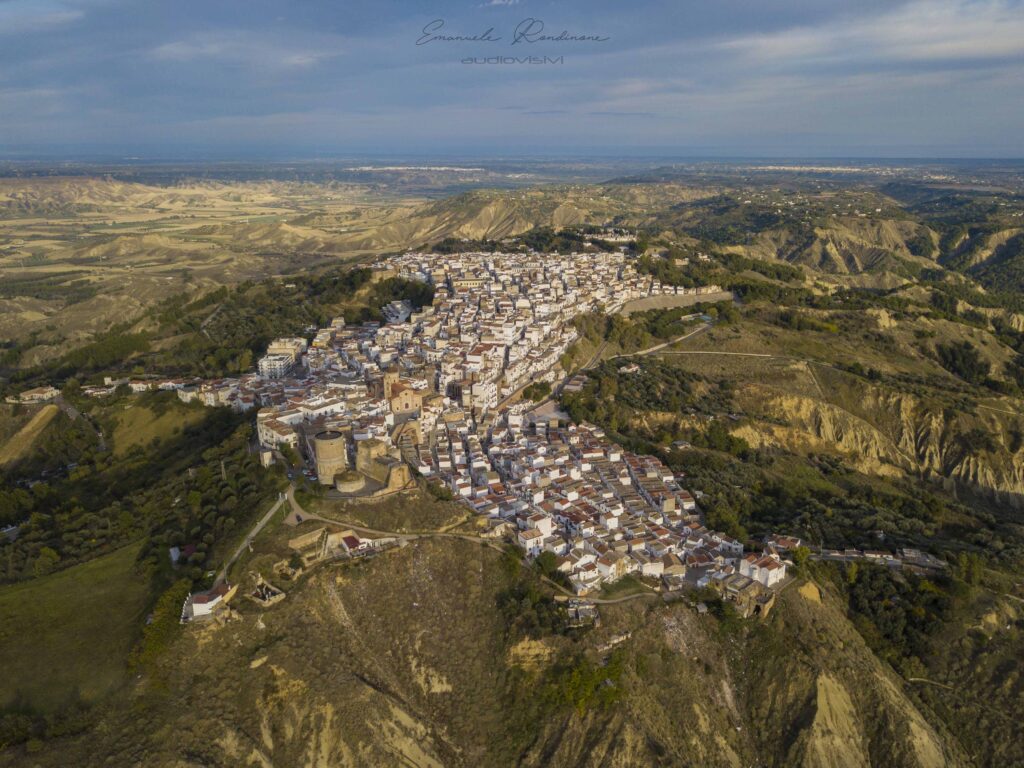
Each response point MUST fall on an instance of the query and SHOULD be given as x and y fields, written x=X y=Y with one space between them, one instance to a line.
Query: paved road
x=260 y=525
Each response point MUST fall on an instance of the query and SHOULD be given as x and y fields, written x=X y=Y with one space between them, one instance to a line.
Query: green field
x=140 y=425
x=66 y=637
x=627 y=585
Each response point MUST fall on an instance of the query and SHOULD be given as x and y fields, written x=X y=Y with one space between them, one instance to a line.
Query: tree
x=45 y=562
x=289 y=454
x=800 y=556
x=72 y=388
x=164 y=626
x=537 y=391
x=547 y=563
x=963 y=360
x=969 y=568
x=439 y=491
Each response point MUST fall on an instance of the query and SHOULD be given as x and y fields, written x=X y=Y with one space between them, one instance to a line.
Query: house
x=497 y=528
x=203 y=604
x=783 y=543
x=354 y=545
x=648 y=566
x=612 y=566
x=585 y=578
x=763 y=569
x=540 y=522
x=37 y=395
x=531 y=540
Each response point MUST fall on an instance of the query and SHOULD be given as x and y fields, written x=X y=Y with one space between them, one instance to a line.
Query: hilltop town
x=434 y=391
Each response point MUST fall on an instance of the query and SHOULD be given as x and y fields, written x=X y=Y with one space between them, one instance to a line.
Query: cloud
x=244 y=48
x=924 y=31
x=19 y=16
x=733 y=73
x=34 y=102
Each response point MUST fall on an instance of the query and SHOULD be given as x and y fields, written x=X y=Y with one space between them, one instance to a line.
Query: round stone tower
x=331 y=455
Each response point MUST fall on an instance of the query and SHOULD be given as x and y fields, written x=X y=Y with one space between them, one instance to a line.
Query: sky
x=716 y=78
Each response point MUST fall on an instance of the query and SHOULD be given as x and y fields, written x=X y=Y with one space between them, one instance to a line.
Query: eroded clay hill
x=408 y=660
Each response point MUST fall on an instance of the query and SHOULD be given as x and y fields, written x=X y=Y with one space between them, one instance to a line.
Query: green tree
x=46 y=561
x=165 y=624
x=547 y=563
x=800 y=556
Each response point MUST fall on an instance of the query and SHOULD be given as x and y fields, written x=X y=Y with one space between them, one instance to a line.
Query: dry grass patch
x=19 y=445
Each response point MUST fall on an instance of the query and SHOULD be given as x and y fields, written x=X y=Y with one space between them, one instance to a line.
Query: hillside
x=863 y=387
x=377 y=664
x=49 y=641
x=80 y=254
x=20 y=443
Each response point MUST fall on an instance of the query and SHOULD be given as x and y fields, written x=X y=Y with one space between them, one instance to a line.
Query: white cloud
x=922 y=31
x=19 y=16
x=243 y=48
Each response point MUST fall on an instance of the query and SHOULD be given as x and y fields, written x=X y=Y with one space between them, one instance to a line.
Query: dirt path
x=817 y=384
x=930 y=682
x=1000 y=410
x=734 y=354
x=209 y=318
x=260 y=525
x=659 y=347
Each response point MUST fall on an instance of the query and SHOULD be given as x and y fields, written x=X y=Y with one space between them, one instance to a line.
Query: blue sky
x=931 y=78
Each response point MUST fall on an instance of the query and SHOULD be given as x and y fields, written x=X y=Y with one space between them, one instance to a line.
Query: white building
x=764 y=569
x=275 y=366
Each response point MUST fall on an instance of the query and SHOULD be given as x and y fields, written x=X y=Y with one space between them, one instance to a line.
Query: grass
x=18 y=446
x=12 y=418
x=406 y=512
x=66 y=637
x=139 y=425
x=627 y=585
